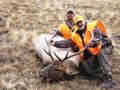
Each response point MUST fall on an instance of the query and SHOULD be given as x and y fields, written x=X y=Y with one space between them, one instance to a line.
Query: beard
x=81 y=28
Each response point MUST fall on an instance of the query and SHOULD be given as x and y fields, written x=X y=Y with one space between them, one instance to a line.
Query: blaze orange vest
x=76 y=38
x=65 y=30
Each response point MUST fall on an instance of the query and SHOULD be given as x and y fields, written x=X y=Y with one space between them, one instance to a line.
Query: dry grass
x=23 y=20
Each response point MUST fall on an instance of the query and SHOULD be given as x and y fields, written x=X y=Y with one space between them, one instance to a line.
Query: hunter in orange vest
x=68 y=26
x=99 y=49
x=76 y=38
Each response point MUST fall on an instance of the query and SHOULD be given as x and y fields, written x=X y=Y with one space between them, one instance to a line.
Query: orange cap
x=77 y=18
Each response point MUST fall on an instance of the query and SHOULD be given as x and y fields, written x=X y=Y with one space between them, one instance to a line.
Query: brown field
x=23 y=20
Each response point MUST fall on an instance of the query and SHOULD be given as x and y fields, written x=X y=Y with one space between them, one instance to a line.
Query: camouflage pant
x=101 y=63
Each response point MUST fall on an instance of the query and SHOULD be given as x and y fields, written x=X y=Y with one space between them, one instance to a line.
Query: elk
x=61 y=64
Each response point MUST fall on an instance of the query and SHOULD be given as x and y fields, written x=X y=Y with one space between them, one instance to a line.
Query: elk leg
x=88 y=70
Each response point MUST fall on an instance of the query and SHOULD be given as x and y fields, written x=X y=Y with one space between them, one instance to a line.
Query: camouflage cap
x=70 y=10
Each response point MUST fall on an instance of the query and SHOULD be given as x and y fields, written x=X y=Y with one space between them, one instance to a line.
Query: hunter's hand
x=52 y=42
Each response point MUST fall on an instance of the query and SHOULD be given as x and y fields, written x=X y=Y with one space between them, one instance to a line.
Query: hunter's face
x=80 y=25
x=70 y=15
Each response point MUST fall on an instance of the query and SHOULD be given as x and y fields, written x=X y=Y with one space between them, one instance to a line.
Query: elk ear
x=70 y=71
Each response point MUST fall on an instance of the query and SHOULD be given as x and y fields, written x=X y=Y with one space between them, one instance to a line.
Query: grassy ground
x=23 y=20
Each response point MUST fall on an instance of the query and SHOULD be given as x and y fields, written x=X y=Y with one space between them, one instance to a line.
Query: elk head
x=56 y=71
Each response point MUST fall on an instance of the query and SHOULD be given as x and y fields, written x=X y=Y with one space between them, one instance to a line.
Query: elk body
x=57 y=69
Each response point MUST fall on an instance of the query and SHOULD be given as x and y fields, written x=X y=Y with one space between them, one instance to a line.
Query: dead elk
x=56 y=70
x=60 y=69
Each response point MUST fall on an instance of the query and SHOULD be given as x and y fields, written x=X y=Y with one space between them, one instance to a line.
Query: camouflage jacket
x=98 y=34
